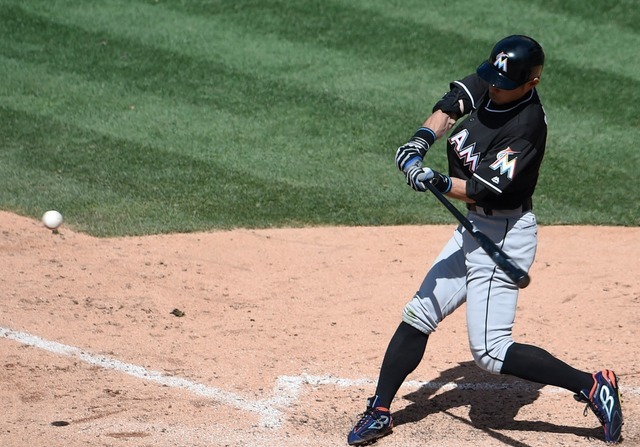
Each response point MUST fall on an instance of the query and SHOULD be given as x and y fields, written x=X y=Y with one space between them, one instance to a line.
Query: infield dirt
x=281 y=336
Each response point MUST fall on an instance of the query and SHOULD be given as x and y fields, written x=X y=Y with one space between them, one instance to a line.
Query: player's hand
x=418 y=176
x=409 y=154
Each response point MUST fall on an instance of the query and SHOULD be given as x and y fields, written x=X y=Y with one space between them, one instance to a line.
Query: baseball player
x=494 y=156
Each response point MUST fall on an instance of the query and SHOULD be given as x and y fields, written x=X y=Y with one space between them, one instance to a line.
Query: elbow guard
x=455 y=102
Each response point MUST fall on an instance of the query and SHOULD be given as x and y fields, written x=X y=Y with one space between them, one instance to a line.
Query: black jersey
x=497 y=149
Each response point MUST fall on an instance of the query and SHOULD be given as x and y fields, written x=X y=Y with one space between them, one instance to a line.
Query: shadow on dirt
x=493 y=402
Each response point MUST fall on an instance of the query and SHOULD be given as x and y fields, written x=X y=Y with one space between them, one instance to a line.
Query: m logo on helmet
x=501 y=61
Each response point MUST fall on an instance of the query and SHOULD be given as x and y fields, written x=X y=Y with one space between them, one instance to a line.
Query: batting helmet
x=509 y=65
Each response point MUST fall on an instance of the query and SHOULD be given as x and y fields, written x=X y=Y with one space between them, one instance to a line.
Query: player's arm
x=414 y=151
x=459 y=190
x=460 y=100
x=440 y=122
x=462 y=97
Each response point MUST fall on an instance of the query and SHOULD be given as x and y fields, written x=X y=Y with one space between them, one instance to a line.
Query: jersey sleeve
x=469 y=91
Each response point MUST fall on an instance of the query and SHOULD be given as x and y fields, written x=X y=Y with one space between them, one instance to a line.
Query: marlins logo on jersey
x=504 y=164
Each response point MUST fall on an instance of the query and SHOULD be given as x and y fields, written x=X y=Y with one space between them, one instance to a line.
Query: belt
x=526 y=206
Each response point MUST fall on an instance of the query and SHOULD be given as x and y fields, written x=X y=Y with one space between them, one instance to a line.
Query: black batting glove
x=442 y=182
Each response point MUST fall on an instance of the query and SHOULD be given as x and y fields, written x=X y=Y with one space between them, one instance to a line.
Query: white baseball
x=52 y=219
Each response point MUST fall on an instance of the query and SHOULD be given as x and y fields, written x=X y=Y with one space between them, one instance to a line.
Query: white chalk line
x=286 y=390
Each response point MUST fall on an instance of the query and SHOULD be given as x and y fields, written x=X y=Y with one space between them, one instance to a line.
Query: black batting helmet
x=509 y=65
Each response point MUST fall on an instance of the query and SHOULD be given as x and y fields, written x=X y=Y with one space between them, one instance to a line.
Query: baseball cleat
x=604 y=401
x=374 y=423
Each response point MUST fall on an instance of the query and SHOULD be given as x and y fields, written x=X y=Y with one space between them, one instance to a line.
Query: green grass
x=136 y=117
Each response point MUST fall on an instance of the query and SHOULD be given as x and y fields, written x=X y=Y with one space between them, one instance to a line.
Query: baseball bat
x=519 y=277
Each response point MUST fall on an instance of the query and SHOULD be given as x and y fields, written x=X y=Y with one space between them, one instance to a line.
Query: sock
x=537 y=365
x=403 y=355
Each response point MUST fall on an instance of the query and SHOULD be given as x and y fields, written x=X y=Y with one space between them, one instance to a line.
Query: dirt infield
x=274 y=338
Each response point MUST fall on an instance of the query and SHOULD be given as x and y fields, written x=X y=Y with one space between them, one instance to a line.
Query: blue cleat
x=604 y=401
x=375 y=423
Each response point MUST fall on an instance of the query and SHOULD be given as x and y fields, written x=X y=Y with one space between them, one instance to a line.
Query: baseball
x=52 y=219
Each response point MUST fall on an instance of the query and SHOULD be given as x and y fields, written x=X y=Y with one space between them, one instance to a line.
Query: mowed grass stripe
x=264 y=108
x=600 y=194
x=115 y=109
x=176 y=77
x=587 y=76
x=121 y=110
x=592 y=36
x=163 y=186
x=106 y=110
x=559 y=78
x=219 y=42
x=385 y=45
x=414 y=33
x=76 y=96
x=559 y=81
x=621 y=14
x=258 y=140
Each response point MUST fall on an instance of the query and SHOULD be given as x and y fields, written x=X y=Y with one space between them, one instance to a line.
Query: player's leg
x=492 y=297
x=599 y=390
x=491 y=307
x=436 y=298
x=442 y=291
x=537 y=365
x=403 y=355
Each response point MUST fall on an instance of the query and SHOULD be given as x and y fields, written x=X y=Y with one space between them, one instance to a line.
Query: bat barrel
x=523 y=281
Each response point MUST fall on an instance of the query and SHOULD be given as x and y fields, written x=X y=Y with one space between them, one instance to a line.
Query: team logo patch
x=504 y=164
x=501 y=61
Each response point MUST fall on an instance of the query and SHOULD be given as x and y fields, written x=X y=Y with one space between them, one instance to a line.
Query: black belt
x=526 y=206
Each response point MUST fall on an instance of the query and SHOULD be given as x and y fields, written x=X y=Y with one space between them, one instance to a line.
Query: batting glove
x=415 y=150
x=417 y=178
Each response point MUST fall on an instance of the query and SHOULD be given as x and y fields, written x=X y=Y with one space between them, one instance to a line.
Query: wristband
x=424 y=137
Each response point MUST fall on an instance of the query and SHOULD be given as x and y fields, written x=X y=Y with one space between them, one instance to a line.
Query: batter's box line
x=286 y=391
